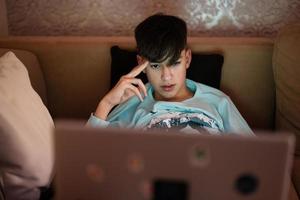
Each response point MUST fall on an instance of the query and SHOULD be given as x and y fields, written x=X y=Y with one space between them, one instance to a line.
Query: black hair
x=161 y=37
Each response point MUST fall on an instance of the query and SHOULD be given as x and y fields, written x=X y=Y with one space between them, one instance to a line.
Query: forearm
x=103 y=109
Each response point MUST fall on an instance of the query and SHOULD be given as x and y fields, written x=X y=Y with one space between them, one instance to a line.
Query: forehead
x=167 y=60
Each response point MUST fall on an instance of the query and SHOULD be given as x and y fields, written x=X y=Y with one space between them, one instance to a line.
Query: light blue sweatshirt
x=209 y=110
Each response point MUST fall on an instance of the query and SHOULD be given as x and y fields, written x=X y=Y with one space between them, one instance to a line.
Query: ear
x=140 y=60
x=188 y=56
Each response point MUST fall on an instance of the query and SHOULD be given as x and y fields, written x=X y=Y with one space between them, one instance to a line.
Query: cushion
x=34 y=69
x=204 y=68
x=26 y=143
x=286 y=67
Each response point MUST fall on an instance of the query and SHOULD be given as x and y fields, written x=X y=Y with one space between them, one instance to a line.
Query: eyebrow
x=156 y=63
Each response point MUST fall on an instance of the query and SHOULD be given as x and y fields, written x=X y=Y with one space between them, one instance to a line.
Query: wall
x=119 y=17
x=3 y=19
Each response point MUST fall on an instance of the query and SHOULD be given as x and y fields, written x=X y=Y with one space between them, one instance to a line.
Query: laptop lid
x=120 y=164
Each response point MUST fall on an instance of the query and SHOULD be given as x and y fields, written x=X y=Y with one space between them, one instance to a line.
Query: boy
x=169 y=100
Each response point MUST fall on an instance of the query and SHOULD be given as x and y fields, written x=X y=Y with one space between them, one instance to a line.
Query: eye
x=154 y=66
x=176 y=63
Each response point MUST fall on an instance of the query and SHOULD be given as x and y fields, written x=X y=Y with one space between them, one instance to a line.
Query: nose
x=166 y=73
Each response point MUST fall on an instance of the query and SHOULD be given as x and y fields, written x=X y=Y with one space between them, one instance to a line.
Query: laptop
x=123 y=164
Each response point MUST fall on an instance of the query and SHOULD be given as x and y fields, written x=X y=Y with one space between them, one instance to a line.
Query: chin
x=167 y=97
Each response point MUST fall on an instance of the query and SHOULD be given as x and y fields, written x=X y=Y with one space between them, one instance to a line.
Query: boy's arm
x=103 y=109
x=232 y=119
x=96 y=122
x=121 y=116
x=126 y=87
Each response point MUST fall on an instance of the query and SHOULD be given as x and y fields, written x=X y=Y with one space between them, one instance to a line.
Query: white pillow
x=26 y=131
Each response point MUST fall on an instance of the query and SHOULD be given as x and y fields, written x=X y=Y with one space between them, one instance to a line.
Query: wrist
x=103 y=108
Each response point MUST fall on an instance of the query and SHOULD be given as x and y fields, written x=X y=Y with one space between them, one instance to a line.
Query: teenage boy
x=169 y=100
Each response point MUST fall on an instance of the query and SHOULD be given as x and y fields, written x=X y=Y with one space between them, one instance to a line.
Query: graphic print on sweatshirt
x=185 y=122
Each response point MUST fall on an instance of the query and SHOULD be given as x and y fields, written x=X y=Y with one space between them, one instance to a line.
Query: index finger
x=138 y=69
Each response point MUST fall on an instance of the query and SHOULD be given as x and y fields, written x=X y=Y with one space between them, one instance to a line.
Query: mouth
x=168 y=88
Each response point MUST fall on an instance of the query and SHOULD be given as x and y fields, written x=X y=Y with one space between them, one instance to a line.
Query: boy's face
x=168 y=80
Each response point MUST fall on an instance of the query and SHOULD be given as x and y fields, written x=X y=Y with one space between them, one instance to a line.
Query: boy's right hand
x=126 y=87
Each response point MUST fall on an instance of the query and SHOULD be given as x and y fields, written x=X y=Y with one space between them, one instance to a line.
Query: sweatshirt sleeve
x=232 y=119
x=96 y=122
x=120 y=116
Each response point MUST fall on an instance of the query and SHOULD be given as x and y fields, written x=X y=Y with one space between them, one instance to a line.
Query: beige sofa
x=71 y=74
